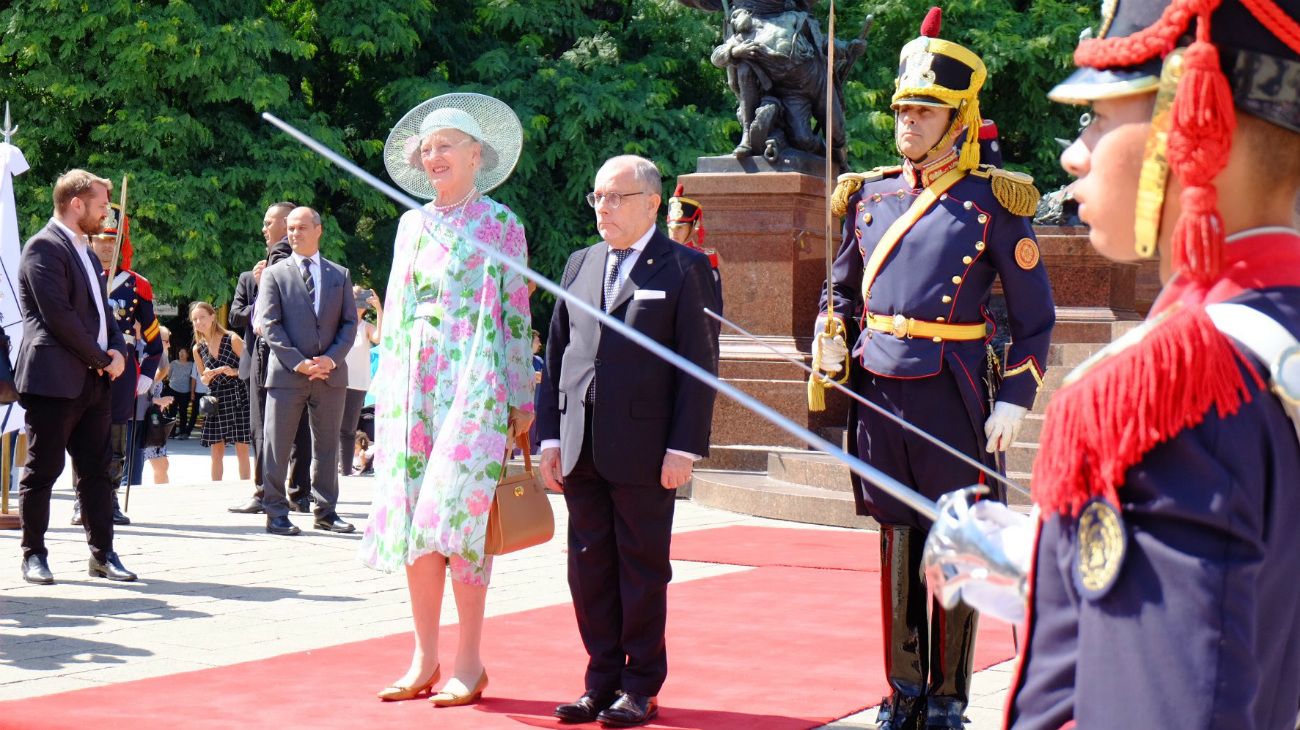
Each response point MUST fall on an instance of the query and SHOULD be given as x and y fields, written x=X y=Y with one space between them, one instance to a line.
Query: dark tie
x=309 y=282
x=611 y=291
x=611 y=281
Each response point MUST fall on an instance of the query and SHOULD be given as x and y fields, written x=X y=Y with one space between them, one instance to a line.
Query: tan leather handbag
x=521 y=514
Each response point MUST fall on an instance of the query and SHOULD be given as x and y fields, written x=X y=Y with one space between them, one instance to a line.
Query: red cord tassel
x=1100 y=427
x=1200 y=139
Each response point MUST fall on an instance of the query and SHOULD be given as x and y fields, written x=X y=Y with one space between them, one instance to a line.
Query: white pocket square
x=648 y=294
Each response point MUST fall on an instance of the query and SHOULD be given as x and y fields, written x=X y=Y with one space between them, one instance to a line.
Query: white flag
x=12 y=164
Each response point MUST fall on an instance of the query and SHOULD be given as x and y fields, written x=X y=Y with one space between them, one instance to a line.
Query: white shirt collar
x=75 y=238
x=297 y=259
x=1262 y=230
x=641 y=242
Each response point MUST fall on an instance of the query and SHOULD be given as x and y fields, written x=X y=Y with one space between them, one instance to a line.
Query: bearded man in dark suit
x=71 y=351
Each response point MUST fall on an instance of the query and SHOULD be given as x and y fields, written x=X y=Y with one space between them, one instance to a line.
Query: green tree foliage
x=171 y=92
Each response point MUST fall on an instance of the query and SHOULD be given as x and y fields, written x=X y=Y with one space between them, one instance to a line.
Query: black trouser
x=185 y=415
x=619 y=536
x=80 y=427
x=348 y=429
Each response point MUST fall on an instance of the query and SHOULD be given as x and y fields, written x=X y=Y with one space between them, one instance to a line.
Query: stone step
x=742 y=457
x=1020 y=457
x=1014 y=497
x=761 y=496
x=1032 y=426
x=810 y=469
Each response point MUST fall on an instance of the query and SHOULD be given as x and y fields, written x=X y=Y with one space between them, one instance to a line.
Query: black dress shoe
x=111 y=569
x=301 y=505
x=629 y=710
x=120 y=518
x=37 y=570
x=252 y=507
x=587 y=707
x=333 y=524
x=76 y=513
x=281 y=526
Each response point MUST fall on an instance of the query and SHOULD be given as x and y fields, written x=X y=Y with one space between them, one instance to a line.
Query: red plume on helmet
x=933 y=23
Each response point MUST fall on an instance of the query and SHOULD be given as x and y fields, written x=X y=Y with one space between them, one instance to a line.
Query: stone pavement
x=215 y=589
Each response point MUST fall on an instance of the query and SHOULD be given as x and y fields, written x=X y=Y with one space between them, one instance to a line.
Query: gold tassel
x=970 y=150
x=848 y=185
x=1016 y=192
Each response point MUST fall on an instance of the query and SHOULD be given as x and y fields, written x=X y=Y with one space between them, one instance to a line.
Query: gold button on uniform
x=968 y=205
x=937 y=339
x=979 y=245
x=966 y=259
x=956 y=279
x=866 y=218
x=946 y=299
x=983 y=218
x=940 y=319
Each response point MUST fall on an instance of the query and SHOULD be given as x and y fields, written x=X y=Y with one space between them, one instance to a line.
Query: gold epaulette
x=851 y=182
x=1014 y=190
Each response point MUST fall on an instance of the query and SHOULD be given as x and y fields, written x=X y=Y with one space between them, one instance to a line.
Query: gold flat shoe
x=395 y=692
x=452 y=699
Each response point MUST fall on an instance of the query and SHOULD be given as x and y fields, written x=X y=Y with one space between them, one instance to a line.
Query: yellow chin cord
x=1155 y=160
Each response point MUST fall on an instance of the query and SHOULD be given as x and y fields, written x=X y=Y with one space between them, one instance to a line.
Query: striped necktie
x=611 y=291
x=309 y=282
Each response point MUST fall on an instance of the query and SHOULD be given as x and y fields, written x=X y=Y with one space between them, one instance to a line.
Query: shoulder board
x=143 y=287
x=1014 y=190
x=851 y=182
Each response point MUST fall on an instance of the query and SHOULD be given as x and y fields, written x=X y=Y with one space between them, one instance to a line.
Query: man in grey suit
x=308 y=318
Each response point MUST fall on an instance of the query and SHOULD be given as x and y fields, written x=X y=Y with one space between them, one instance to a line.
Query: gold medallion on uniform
x=1100 y=543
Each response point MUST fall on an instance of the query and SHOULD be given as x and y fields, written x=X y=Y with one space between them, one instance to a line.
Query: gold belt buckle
x=901 y=327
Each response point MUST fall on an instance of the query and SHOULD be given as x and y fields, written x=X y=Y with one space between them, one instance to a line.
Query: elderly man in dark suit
x=71 y=350
x=252 y=367
x=621 y=430
x=308 y=318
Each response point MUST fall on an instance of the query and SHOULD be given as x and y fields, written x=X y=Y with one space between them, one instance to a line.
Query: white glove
x=1002 y=427
x=143 y=385
x=979 y=553
x=828 y=353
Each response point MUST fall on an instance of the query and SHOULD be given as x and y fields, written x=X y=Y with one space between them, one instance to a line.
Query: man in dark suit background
x=252 y=368
x=621 y=430
x=71 y=350
x=308 y=317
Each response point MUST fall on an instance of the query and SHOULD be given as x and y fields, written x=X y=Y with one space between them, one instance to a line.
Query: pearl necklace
x=458 y=203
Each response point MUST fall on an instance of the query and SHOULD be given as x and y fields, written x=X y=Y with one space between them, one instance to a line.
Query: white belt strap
x=1270 y=342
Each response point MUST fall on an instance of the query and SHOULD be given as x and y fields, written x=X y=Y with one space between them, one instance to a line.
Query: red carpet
x=768 y=648
x=778 y=546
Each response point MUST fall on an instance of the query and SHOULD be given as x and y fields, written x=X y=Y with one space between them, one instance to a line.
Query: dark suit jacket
x=241 y=308
x=60 y=319
x=643 y=405
x=295 y=332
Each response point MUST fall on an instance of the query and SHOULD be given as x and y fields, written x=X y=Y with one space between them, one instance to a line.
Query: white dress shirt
x=81 y=243
x=623 y=271
x=315 y=275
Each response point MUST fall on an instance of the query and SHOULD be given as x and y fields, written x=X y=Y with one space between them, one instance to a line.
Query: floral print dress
x=454 y=360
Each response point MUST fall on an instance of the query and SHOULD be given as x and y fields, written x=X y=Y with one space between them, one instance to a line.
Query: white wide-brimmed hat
x=488 y=120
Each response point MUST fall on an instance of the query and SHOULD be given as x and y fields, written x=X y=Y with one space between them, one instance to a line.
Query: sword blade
x=913 y=499
x=903 y=422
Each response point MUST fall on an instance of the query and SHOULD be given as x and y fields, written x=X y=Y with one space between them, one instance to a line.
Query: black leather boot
x=952 y=656
x=903 y=618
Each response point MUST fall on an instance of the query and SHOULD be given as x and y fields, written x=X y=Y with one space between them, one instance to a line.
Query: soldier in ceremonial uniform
x=131 y=299
x=1160 y=568
x=922 y=244
x=686 y=226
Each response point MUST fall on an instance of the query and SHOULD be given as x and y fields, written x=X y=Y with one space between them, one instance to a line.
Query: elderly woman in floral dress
x=455 y=379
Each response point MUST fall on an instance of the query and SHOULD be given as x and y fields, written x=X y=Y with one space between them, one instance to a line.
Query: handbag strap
x=521 y=442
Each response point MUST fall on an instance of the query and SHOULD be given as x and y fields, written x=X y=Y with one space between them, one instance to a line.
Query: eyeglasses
x=613 y=199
